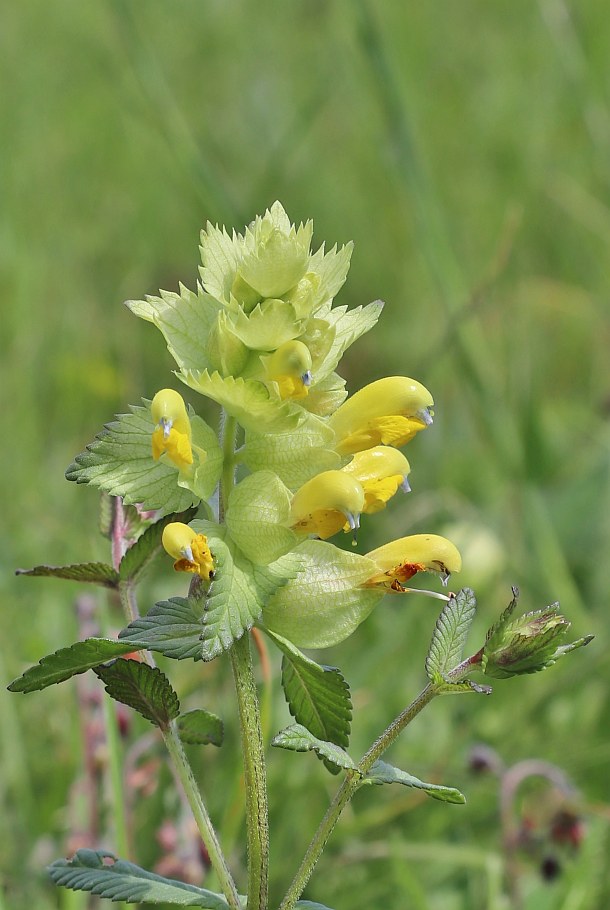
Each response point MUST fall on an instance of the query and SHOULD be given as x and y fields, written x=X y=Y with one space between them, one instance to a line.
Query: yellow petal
x=168 y=408
x=401 y=559
x=190 y=550
x=333 y=493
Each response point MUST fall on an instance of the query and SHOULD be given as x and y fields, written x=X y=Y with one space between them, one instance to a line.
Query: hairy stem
x=346 y=791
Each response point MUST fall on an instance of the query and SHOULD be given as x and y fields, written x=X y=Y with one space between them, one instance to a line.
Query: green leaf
x=318 y=696
x=383 y=773
x=257 y=516
x=118 y=880
x=145 y=689
x=269 y=325
x=297 y=738
x=220 y=255
x=96 y=573
x=172 y=627
x=326 y=396
x=68 y=662
x=495 y=634
x=449 y=636
x=248 y=400
x=120 y=462
x=332 y=267
x=140 y=554
x=185 y=320
x=199 y=727
x=295 y=456
x=349 y=326
x=325 y=602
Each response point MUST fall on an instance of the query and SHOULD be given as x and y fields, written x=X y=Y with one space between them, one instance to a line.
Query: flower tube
x=172 y=433
x=328 y=502
x=401 y=559
x=189 y=549
x=381 y=471
x=389 y=411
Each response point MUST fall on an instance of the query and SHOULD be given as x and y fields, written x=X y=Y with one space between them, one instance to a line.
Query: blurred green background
x=465 y=148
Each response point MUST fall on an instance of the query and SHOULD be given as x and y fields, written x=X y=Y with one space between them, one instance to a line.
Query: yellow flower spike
x=389 y=411
x=172 y=433
x=290 y=368
x=190 y=550
x=401 y=559
x=326 y=503
x=381 y=470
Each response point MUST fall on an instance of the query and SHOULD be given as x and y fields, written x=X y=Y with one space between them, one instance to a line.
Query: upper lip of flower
x=401 y=559
x=326 y=502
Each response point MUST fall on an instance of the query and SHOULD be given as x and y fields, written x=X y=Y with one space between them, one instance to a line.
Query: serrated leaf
x=349 y=326
x=297 y=738
x=326 y=396
x=139 y=556
x=185 y=321
x=318 y=696
x=68 y=662
x=269 y=325
x=120 y=462
x=199 y=727
x=450 y=632
x=383 y=773
x=172 y=627
x=220 y=255
x=332 y=267
x=96 y=573
x=257 y=516
x=496 y=632
x=145 y=689
x=325 y=602
x=248 y=400
x=295 y=456
x=118 y=880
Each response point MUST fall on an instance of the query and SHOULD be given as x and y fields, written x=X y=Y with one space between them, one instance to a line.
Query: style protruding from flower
x=401 y=559
x=189 y=549
x=172 y=433
x=290 y=368
x=328 y=502
x=389 y=411
x=381 y=471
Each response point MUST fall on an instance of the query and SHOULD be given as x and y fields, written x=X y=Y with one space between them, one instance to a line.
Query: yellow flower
x=328 y=502
x=401 y=559
x=381 y=470
x=172 y=433
x=389 y=411
x=290 y=368
x=190 y=550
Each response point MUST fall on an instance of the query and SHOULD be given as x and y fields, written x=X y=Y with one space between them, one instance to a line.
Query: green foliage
x=383 y=773
x=118 y=880
x=145 y=689
x=68 y=662
x=450 y=633
x=295 y=456
x=297 y=738
x=257 y=515
x=96 y=573
x=171 y=627
x=139 y=555
x=199 y=728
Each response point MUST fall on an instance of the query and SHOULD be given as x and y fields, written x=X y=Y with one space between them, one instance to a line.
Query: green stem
x=228 y=464
x=257 y=821
x=200 y=814
x=116 y=777
x=347 y=789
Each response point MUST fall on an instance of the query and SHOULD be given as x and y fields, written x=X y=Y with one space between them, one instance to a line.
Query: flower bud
x=290 y=368
x=328 y=502
x=381 y=470
x=172 y=433
x=401 y=559
x=190 y=550
x=389 y=411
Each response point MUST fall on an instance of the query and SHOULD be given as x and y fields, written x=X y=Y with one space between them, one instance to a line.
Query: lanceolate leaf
x=172 y=627
x=117 y=880
x=318 y=696
x=449 y=636
x=68 y=662
x=199 y=727
x=96 y=573
x=383 y=773
x=144 y=688
x=139 y=556
x=297 y=738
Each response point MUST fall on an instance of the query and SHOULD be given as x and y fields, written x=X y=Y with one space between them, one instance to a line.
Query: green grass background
x=465 y=147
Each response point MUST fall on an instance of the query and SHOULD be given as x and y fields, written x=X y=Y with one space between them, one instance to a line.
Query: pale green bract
x=257 y=517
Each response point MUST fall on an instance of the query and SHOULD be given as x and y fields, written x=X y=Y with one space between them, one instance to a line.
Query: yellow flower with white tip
x=172 y=433
x=290 y=368
x=382 y=471
x=389 y=411
x=401 y=559
x=189 y=549
x=328 y=502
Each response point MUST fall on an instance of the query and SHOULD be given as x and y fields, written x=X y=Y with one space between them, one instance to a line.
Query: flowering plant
x=248 y=514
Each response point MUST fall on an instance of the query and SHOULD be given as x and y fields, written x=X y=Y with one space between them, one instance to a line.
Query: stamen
x=435 y=594
x=352 y=520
